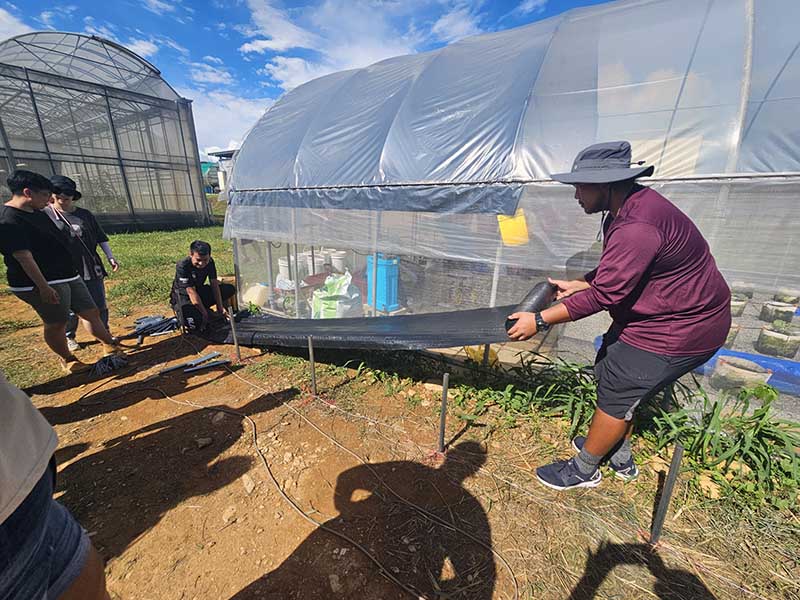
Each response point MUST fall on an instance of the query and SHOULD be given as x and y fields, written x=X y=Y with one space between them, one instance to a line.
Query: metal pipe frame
x=39 y=123
x=119 y=159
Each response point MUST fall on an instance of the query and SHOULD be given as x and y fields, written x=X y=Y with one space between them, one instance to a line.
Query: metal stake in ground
x=313 y=366
x=443 y=414
x=666 y=494
x=232 y=320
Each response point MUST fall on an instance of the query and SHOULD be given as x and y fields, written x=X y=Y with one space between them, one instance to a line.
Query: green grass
x=12 y=325
x=148 y=264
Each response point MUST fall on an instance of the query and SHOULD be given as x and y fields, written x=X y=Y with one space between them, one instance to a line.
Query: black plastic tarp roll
x=409 y=332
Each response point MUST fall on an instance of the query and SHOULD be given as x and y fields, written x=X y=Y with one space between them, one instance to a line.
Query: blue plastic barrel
x=388 y=282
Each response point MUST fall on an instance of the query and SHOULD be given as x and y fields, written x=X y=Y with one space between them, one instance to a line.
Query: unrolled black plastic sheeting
x=410 y=332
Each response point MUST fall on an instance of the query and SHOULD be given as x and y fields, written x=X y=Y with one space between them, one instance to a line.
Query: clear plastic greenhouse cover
x=441 y=161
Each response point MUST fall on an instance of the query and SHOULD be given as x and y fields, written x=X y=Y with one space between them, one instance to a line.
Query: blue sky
x=233 y=58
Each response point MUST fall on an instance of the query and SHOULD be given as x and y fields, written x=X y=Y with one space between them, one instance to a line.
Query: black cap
x=64 y=185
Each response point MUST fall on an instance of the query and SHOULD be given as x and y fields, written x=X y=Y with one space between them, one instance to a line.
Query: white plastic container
x=338 y=258
x=283 y=268
x=317 y=264
x=257 y=294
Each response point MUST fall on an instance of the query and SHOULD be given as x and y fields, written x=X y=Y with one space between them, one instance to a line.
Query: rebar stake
x=666 y=494
x=232 y=319
x=443 y=414
x=313 y=366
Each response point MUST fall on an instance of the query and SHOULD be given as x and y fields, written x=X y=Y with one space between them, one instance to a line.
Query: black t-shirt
x=85 y=225
x=187 y=275
x=34 y=231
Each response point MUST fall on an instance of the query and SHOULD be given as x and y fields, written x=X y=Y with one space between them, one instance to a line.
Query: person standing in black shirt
x=87 y=234
x=191 y=298
x=40 y=268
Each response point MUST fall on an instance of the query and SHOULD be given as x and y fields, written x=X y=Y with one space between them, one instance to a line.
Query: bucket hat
x=605 y=162
x=64 y=185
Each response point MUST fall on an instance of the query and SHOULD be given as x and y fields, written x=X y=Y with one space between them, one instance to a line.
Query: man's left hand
x=524 y=328
x=114 y=264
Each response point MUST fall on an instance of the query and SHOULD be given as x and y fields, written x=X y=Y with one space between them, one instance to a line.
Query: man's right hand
x=49 y=295
x=567 y=288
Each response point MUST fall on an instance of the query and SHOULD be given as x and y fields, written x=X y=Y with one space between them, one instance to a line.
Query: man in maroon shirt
x=669 y=302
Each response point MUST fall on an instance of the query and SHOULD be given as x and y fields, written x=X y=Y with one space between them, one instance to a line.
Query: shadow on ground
x=147 y=472
x=105 y=395
x=671 y=584
x=427 y=555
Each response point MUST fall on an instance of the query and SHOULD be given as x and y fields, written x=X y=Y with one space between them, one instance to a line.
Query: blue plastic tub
x=388 y=282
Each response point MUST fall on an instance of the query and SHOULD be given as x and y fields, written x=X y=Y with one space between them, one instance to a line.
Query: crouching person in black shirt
x=191 y=297
x=40 y=267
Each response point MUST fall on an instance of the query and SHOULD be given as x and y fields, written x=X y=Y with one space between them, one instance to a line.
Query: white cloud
x=458 y=23
x=213 y=59
x=11 y=25
x=105 y=31
x=144 y=48
x=170 y=43
x=205 y=73
x=531 y=6
x=292 y=71
x=345 y=34
x=222 y=119
x=48 y=17
x=159 y=7
x=276 y=29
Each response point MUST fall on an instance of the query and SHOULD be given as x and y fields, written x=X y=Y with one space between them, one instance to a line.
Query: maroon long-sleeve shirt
x=658 y=281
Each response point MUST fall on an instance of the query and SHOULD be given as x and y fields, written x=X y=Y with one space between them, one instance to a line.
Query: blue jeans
x=97 y=289
x=43 y=549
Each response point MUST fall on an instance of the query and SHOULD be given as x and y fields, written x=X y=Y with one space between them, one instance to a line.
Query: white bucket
x=283 y=268
x=338 y=258
x=257 y=294
x=317 y=264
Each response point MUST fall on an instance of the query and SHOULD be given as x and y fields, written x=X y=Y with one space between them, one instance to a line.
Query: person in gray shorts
x=86 y=234
x=658 y=281
x=41 y=269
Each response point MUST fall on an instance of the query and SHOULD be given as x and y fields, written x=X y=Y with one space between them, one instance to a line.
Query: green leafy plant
x=253 y=308
x=560 y=388
x=780 y=326
x=726 y=436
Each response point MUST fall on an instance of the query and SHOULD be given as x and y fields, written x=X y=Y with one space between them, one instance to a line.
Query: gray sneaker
x=627 y=472
x=73 y=345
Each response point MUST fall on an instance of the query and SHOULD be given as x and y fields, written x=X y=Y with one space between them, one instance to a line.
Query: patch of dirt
x=177 y=500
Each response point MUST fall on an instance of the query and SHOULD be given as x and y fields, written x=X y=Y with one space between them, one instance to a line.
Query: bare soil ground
x=178 y=501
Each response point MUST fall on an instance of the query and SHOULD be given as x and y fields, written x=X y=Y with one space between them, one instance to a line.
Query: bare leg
x=91 y=583
x=604 y=433
x=55 y=337
x=94 y=325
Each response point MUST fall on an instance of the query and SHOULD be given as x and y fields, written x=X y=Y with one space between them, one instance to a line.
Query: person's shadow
x=124 y=489
x=434 y=560
x=671 y=584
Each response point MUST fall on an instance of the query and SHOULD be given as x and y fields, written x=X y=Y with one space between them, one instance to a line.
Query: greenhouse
x=421 y=184
x=86 y=107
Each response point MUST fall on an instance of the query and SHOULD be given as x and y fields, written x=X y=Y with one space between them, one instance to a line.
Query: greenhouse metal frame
x=88 y=108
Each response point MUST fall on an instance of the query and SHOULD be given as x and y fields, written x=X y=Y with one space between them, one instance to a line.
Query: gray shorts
x=73 y=296
x=627 y=376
